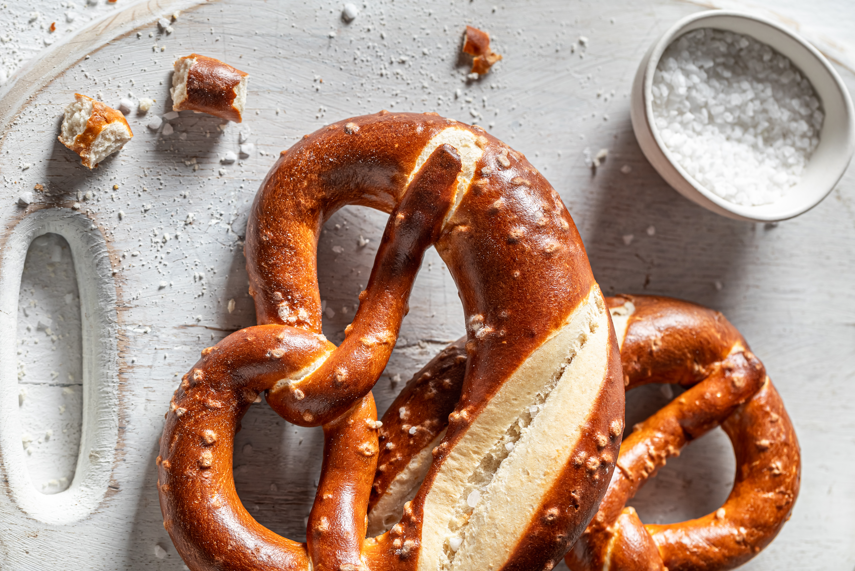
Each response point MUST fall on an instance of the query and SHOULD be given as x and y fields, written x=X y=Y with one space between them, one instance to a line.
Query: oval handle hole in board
x=50 y=380
x=99 y=367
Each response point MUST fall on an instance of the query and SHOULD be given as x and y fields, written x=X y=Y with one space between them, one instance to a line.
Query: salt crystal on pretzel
x=209 y=86
x=93 y=130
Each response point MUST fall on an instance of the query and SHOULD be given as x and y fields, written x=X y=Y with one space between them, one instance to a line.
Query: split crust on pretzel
x=504 y=487
x=663 y=341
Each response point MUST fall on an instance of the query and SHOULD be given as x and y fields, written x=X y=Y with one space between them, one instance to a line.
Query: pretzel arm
x=350 y=460
x=350 y=371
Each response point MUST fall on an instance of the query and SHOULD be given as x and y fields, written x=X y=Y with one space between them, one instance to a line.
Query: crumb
x=477 y=44
x=349 y=12
x=145 y=104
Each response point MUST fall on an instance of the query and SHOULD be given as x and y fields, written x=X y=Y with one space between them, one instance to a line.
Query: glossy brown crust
x=509 y=235
x=101 y=117
x=354 y=367
x=670 y=341
x=477 y=44
x=211 y=88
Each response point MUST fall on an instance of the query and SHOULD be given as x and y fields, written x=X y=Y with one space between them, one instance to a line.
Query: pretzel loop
x=663 y=341
x=668 y=341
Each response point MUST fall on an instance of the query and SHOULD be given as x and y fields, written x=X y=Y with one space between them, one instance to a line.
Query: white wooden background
x=787 y=287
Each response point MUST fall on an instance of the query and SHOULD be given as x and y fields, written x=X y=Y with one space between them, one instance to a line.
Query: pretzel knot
x=499 y=488
x=668 y=341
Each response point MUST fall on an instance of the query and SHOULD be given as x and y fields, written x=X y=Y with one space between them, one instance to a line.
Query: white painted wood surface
x=786 y=287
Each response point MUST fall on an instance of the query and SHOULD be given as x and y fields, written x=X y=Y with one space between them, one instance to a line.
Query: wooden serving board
x=153 y=283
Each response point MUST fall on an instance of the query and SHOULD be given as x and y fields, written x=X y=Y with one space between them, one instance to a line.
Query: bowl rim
x=708 y=198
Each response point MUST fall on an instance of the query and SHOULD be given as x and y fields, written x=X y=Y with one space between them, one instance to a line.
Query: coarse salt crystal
x=349 y=12
x=473 y=499
x=154 y=123
x=246 y=150
x=229 y=158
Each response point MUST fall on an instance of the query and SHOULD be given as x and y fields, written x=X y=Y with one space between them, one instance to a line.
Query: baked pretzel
x=669 y=341
x=541 y=389
x=665 y=341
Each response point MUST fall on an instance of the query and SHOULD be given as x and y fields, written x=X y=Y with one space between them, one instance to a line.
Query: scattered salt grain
x=738 y=116
x=231 y=305
x=349 y=12
x=154 y=123
x=25 y=199
x=163 y=23
x=651 y=230
x=167 y=130
x=627 y=239
x=600 y=157
x=125 y=106
x=229 y=158
x=159 y=552
x=718 y=285
x=244 y=133
x=246 y=150
x=626 y=169
x=170 y=115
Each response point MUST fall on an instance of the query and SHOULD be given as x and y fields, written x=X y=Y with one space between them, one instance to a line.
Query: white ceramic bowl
x=837 y=138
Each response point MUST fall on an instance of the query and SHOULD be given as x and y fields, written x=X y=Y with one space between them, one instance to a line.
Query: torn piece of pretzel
x=209 y=86
x=93 y=130
x=477 y=44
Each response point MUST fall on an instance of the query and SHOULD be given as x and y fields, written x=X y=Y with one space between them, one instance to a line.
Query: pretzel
x=663 y=340
x=207 y=85
x=542 y=385
x=93 y=130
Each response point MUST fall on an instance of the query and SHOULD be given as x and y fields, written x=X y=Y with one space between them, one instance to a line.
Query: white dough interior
x=620 y=320
x=76 y=118
x=389 y=510
x=516 y=448
x=179 y=82
x=240 y=94
x=111 y=138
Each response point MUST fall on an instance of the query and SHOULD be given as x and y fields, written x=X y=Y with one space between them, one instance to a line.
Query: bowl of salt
x=742 y=116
